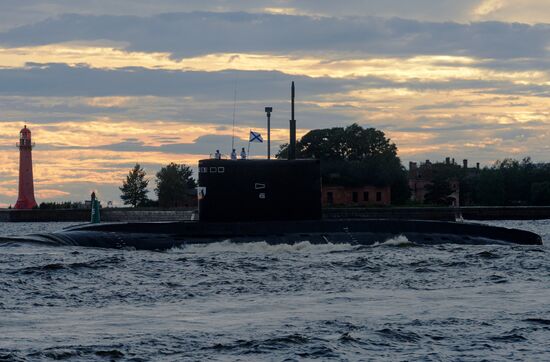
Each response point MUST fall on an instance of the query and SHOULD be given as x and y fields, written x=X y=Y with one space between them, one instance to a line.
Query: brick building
x=356 y=196
x=422 y=176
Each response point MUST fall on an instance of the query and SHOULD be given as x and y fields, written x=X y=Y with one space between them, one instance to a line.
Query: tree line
x=61 y=205
x=508 y=182
x=175 y=187
x=356 y=156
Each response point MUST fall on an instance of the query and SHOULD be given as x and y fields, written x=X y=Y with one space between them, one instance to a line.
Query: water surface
x=227 y=301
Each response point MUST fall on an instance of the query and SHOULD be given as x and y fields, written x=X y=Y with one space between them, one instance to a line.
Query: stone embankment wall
x=107 y=215
x=442 y=213
x=147 y=215
x=411 y=213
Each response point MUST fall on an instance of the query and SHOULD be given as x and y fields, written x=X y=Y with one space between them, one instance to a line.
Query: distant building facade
x=421 y=179
x=356 y=196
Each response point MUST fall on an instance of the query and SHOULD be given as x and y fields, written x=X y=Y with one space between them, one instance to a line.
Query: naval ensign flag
x=255 y=137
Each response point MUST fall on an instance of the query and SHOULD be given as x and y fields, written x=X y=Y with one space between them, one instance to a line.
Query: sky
x=104 y=84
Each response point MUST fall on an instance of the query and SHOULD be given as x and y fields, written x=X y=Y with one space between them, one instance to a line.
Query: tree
x=353 y=143
x=512 y=182
x=174 y=185
x=354 y=156
x=134 y=188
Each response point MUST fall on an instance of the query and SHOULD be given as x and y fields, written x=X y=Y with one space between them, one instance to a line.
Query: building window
x=221 y=169
x=213 y=169
x=355 y=196
x=378 y=196
x=366 y=196
x=330 y=198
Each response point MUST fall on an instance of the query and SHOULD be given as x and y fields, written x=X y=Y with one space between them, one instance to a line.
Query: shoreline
x=189 y=214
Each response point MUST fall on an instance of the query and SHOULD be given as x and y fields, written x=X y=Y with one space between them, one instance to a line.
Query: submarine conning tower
x=254 y=190
x=261 y=190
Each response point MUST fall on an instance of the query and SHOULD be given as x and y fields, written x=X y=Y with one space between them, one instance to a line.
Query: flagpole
x=249 y=132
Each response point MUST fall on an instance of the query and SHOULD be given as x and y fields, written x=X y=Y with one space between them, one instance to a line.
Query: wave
x=54 y=267
x=399 y=335
x=545 y=322
x=264 y=247
x=34 y=239
x=302 y=246
x=400 y=240
x=508 y=338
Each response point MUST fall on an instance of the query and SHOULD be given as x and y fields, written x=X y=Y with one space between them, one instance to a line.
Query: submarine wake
x=400 y=240
x=230 y=246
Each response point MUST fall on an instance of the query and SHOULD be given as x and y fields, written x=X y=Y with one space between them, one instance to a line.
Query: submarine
x=274 y=201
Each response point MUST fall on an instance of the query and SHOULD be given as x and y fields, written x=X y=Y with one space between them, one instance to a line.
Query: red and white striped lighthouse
x=25 y=200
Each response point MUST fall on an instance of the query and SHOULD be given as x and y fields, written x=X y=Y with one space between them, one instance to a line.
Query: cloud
x=420 y=68
x=240 y=32
x=14 y=12
x=527 y=11
x=488 y=6
x=65 y=81
x=113 y=86
x=51 y=193
x=203 y=145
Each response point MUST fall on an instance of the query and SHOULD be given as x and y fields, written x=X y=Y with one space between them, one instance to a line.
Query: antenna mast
x=292 y=145
x=234 y=111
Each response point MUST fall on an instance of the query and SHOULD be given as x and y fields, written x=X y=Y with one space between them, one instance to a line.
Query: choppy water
x=394 y=301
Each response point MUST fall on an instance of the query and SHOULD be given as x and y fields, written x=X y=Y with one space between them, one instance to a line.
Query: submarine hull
x=162 y=236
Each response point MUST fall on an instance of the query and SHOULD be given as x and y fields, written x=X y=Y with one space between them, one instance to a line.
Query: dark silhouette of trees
x=353 y=143
x=506 y=183
x=511 y=182
x=134 y=188
x=175 y=183
x=355 y=156
x=61 y=205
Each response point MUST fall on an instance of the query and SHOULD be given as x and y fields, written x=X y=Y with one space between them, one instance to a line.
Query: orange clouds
x=427 y=104
x=419 y=68
x=97 y=133
x=57 y=170
x=525 y=11
x=69 y=153
x=51 y=194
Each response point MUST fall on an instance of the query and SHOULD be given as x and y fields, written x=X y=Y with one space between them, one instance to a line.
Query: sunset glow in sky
x=103 y=85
